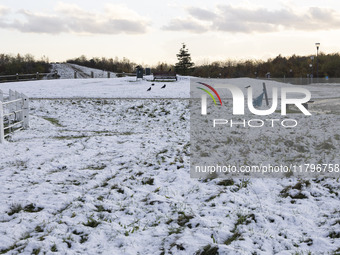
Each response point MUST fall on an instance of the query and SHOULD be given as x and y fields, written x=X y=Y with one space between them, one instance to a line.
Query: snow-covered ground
x=104 y=168
x=126 y=87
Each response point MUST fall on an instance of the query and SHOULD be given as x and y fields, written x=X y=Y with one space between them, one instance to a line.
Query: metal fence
x=28 y=77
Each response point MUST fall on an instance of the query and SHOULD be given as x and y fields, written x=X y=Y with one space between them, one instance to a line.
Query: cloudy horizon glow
x=152 y=31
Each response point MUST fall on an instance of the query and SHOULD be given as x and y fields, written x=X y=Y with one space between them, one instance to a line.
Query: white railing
x=14 y=113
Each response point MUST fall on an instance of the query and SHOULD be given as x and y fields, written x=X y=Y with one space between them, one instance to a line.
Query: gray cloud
x=37 y=24
x=72 y=19
x=201 y=14
x=232 y=19
x=185 y=25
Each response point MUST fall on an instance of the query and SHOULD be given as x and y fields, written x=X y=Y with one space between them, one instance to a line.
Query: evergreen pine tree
x=184 y=65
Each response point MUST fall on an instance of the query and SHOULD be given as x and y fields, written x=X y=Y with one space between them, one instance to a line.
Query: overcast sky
x=152 y=30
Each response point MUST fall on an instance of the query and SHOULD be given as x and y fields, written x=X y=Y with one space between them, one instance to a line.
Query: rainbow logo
x=209 y=93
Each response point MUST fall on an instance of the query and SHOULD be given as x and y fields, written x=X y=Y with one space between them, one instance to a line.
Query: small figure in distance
x=163 y=86
x=148 y=89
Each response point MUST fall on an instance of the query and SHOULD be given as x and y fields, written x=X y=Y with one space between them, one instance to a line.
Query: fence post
x=19 y=106
x=92 y=74
x=75 y=74
x=17 y=76
x=2 y=133
x=11 y=107
x=37 y=75
x=108 y=74
x=25 y=111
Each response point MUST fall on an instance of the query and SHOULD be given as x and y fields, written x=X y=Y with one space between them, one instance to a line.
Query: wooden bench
x=164 y=76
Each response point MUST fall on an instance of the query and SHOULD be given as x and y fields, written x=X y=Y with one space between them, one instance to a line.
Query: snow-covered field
x=127 y=87
x=104 y=168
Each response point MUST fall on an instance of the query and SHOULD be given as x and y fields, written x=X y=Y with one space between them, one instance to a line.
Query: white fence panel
x=14 y=113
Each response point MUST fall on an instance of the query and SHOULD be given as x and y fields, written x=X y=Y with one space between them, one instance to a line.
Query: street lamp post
x=317 y=60
x=312 y=68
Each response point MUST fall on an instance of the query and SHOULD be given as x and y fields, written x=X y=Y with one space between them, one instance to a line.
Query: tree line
x=108 y=64
x=26 y=64
x=278 y=67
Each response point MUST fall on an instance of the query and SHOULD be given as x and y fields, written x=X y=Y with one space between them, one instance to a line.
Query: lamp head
x=317 y=45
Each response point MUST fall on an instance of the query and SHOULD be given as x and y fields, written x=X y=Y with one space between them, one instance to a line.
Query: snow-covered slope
x=66 y=71
x=100 y=175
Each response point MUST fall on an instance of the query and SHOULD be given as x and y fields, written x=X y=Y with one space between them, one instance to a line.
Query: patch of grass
x=91 y=223
x=128 y=232
x=69 y=137
x=4 y=251
x=178 y=246
x=148 y=181
x=53 y=121
x=68 y=240
x=118 y=189
x=39 y=229
x=101 y=208
x=54 y=248
x=299 y=196
x=36 y=251
x=300 y=185
x=332 y=190
x=175 y=231
x=126 y=133
x=208 y=250
x=31 y=208
x=211 y=198
x=183 y=219
x=83 y=236
x=75 y=182
x=243 y=184
x=334 y=235
x=308 y=241
x=25 y=236
x=236 y=235
x=204 y=154
x=97 y=167
x=245 y=219
x=227 y=182
x=15 y=208
x=326 y=145
x=105 y=183
x=241 y=220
